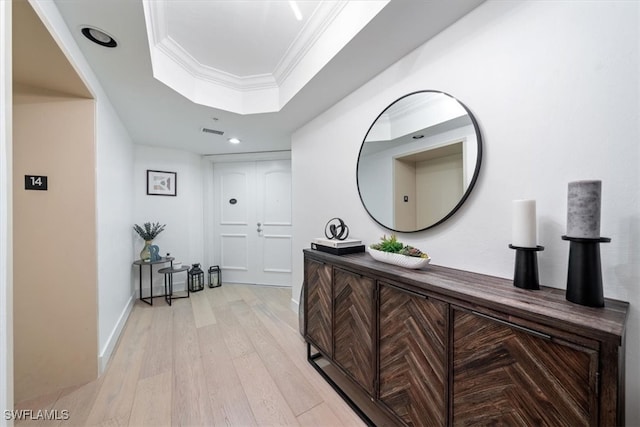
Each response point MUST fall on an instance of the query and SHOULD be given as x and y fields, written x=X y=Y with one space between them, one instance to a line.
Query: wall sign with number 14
x=35 y=182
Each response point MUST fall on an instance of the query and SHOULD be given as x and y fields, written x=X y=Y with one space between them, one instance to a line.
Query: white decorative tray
x=399 y=259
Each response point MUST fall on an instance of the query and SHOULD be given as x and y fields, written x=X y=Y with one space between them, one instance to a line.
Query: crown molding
x=212 y=75
x=174 y=66
x=318 y=23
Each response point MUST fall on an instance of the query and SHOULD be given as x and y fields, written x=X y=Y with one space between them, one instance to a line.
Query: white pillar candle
x=583 y=209
x=524 y=224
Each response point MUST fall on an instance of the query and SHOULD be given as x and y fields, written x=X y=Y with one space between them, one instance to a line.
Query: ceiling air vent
x=217 y=132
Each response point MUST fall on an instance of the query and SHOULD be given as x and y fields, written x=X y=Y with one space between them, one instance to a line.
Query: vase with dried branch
x=148 y=232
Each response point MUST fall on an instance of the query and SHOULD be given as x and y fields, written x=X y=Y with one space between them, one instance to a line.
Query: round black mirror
x=419 y=161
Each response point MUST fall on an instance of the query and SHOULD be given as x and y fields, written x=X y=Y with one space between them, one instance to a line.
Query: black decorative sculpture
x=336 y=229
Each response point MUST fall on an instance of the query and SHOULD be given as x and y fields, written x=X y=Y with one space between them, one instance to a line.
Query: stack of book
x=337 y=247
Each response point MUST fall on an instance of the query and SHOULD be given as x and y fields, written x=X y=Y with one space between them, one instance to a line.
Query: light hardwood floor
x=228 y=356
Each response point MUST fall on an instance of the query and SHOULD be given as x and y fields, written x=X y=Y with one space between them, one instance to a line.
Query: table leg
x=150 y=284
x=140 y=287
x=171 y=286
x=166 y=298
x=149 y=299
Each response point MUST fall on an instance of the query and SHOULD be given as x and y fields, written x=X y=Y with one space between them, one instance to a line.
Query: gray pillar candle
x=583 y=212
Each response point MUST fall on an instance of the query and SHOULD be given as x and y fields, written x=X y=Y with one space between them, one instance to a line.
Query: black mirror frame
x=472 y=183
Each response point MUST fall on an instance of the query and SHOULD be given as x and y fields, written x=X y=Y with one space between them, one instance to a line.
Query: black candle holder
x=525 y=275
x=584 y=279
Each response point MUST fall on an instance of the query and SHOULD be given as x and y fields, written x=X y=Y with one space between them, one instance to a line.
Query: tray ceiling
x=248 y=57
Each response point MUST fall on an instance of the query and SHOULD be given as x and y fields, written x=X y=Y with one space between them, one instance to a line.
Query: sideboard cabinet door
x=413 y=369
x=318 y=304
x=354 y=324
x=506 y=375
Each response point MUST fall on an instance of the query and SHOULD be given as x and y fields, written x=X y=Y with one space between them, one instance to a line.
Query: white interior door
x=252 y=231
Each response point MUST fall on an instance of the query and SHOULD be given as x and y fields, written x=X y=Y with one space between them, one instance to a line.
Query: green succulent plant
x=392 y=245
x=149 y=231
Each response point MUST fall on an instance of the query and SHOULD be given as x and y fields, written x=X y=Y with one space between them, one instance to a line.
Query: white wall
x=115 y=212
x=114 y=151
x=555 y=89
x=183 y=236
x=6 y=191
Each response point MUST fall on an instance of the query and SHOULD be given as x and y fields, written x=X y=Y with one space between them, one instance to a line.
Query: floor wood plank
x=114 y=400
x=158 y=355
x=189 y=405
x=152 y=403
x=217 y=296
x=229 y=402
x=267 y=403
x=202 y=313
x=176 y=365
x=44 y=403
x=319 y=416
x=78 y=401
x=278 y=304
x=299 y=394
x=230 y=292
x=235 y=337
x=298 y=355
x=247 y=294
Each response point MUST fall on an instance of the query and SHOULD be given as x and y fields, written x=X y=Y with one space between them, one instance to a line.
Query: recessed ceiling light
x=234 y=140
x=99 y=37
x=417 y=136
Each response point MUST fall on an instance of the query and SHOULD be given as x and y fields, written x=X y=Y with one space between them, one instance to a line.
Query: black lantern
x=215 y=280
x=195 y=278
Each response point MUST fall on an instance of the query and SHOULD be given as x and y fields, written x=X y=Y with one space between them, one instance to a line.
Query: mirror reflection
x=419 y=161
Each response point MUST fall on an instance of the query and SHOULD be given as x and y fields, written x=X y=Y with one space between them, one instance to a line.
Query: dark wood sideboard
x=441 y=346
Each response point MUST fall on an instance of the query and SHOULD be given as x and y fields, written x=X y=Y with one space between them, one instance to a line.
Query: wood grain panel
x=353 y=326
x=318 y=305
x=548 y=306
x=412 y=357
x=506 y=376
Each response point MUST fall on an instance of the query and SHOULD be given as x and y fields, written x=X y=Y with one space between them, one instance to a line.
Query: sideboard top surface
x=547 y=305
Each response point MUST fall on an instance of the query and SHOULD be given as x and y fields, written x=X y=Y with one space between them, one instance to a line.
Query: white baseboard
x=294 y=305
x=106 y=353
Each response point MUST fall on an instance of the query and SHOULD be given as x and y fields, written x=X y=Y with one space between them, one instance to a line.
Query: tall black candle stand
x=584 y=279
x=525 y=275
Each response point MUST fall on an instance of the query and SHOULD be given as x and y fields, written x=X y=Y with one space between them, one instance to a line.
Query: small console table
x=140 y=263
x=168 y=282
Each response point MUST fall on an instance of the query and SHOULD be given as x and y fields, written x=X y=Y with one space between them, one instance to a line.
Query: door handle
x=259 y=229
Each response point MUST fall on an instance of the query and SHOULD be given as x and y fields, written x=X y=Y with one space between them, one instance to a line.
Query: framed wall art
x=161 y=183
